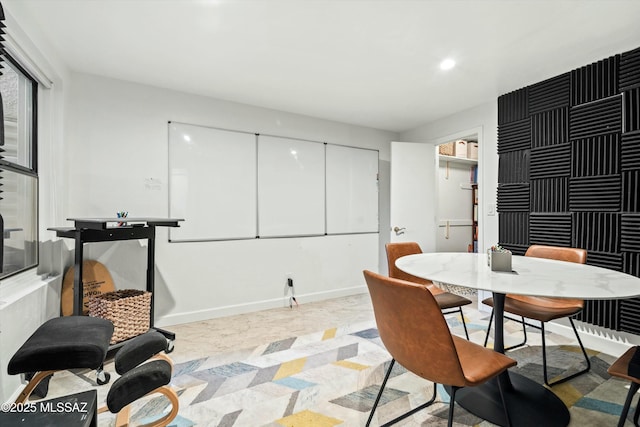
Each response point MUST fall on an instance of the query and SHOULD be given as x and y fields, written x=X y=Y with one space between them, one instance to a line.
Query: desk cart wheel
x=102 y=377
x=170 y=346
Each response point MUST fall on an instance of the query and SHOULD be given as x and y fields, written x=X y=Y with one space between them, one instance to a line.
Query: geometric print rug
x=331 y=378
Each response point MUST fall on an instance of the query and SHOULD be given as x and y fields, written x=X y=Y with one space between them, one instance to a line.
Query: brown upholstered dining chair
x=448 y=302
x=545 y=309
x=620 y=369
x=415 y=333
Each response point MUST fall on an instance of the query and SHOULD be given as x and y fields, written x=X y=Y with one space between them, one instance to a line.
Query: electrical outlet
x=289 y=291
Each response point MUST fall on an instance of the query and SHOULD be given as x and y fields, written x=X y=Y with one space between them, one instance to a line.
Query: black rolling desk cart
x=88 y=230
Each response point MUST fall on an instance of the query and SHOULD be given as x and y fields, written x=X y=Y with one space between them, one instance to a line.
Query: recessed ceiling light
x=447 y=64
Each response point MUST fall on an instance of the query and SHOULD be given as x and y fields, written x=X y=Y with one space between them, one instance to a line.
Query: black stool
x=73 y=342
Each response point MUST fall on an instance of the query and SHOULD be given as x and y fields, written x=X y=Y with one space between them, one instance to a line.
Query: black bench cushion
x=138 y=382
x=139 y=350
x=64 y=343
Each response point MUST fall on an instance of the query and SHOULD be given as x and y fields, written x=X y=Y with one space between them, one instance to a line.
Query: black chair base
x=452 y=400
x=544 y=350
x=633 y=389
x=464 y=324
x=406 y=414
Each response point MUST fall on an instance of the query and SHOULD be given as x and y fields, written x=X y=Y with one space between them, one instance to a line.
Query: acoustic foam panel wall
x=514 y=136
x=631 y=191
x=595 y=193
x=550 y=94
x=574 y=140
x=630 y=233
x=596 y=231
x=632 y=110
x=513 y=197
x=596 y=118
x=513 y=228
x=550 y=161
x=606 y=260
x=550 y=127
x=630 y=320
x=514 y=107
x=630 y=151
x=599 y=155
x=595 y=81
x=513 y=167
x=550 y=195
x=550 y=229
x=601 y=313
x=631 y=263
x=629 y=70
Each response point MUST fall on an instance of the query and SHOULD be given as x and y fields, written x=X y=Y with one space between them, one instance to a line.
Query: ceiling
x=363 y=62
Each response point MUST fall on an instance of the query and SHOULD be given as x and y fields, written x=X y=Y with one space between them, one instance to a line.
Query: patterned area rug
x=331 y=378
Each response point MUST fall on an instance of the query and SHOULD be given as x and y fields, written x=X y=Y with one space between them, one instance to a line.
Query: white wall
x=116 y=142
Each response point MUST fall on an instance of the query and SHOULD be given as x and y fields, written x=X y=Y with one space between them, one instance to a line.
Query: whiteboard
x=231 y=185
x=291 y=193
x=212 y=183
x=352 y=190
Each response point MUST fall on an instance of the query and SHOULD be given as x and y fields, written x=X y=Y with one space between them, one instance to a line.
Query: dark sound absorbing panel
x=550 y=161
x=629 y=70
x=550 y=94
x=632 y=110
x=550 y=195
x=569 y=172
x=630 y=151
x=550 y=229
x=514 y=136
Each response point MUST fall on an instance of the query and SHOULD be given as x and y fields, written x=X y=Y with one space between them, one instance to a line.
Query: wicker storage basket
x=129 y=310
x=447 y=149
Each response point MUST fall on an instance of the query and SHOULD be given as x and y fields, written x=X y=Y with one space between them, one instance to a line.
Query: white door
x=413 y=194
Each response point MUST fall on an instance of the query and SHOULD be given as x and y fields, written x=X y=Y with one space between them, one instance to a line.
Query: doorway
x=457 y=194
x=415 y=195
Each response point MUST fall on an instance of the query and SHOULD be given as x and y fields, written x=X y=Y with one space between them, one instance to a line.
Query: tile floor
x=246 y=330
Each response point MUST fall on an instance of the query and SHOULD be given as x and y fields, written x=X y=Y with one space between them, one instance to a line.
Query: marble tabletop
x=529 y=276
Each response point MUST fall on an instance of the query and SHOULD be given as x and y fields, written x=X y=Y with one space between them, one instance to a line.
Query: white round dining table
x=528 y=403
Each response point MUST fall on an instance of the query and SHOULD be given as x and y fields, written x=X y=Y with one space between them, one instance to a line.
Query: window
x=18 y=170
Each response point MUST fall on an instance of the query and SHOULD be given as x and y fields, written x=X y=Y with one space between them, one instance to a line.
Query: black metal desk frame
x=90 y=230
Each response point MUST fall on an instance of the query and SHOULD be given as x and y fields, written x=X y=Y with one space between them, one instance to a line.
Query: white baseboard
x=603 y=340
x=230 y=310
